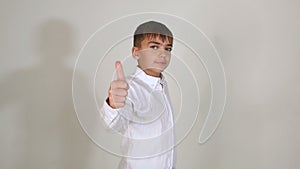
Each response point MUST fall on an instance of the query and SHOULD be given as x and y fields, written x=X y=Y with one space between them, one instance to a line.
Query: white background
x=258 y=43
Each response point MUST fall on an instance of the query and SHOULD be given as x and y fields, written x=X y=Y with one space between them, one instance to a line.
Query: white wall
x=258 y=42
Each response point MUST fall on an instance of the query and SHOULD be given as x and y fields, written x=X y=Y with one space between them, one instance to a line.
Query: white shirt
x=146 y=122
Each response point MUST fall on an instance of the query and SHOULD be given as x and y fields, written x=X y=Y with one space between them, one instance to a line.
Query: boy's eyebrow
x=155 y=42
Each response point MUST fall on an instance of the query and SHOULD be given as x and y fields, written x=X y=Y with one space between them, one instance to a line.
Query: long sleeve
x=116 y=118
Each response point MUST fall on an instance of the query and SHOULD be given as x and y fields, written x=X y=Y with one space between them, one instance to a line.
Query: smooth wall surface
x=258 y=43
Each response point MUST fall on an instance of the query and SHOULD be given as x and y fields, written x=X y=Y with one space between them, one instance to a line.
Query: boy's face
x=153 y=55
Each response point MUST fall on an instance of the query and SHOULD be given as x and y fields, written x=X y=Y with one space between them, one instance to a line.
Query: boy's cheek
x=148 y=56
x=148 y=53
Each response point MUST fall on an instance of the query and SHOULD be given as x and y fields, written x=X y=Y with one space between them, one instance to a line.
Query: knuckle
x=120 y=84
x=121 y=92
x=116 y=98
x=124 y=84
x=112 y=85
x=122 y=104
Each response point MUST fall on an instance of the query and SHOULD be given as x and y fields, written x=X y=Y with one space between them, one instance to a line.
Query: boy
x=139 y=107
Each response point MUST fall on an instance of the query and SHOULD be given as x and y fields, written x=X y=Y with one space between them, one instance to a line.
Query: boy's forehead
x=146 y=40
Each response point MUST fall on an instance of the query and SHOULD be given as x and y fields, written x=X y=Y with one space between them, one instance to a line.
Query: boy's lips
x=160 y=62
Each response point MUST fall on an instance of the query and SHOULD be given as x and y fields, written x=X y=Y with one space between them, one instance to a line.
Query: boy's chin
x=158 y=70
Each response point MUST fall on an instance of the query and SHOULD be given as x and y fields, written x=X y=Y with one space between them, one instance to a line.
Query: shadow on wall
x=43 y=129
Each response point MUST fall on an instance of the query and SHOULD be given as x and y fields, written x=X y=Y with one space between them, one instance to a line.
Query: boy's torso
x=149 y=131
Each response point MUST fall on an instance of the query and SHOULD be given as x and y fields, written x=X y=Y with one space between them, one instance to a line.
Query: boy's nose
x=162 y=53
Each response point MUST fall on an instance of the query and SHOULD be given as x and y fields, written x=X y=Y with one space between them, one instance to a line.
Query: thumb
x=119 y=70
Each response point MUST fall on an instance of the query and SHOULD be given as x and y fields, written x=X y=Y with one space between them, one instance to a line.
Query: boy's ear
x=135 y=52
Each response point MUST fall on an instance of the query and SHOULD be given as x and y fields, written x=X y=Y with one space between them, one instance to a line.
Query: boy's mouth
x=160 y=62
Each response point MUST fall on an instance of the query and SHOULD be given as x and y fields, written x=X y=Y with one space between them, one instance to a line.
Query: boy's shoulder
x=139 y=86
x=135 y=82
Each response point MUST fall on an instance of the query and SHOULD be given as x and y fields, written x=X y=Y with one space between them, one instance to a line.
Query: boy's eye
x=169 y=49
x=154 y=47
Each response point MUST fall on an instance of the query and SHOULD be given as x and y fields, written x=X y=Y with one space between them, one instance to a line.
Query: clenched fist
x=118 y=89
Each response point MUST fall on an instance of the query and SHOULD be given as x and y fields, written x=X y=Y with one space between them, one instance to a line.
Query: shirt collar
x=150 y=80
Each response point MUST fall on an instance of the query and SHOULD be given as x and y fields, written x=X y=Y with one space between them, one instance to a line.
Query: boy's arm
x=116 y=105
x=116 y=118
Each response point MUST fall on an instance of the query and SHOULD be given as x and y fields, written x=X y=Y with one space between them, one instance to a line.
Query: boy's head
x=152 y=45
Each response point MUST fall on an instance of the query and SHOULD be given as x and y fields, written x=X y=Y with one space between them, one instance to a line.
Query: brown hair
x=152 y=30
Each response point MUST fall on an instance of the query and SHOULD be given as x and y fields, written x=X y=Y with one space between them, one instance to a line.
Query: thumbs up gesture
x=118 y=89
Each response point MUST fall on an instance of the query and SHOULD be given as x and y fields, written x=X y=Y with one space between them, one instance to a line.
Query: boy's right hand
x=118 y=89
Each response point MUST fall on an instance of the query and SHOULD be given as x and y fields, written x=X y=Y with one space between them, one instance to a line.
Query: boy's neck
x=151 y=73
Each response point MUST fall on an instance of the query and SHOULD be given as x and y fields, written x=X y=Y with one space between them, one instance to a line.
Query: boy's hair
x=151 y=30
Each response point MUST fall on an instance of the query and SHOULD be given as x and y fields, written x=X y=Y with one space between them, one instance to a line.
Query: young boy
x=139 y=106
